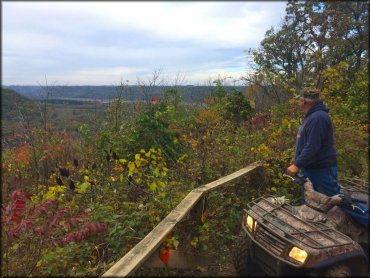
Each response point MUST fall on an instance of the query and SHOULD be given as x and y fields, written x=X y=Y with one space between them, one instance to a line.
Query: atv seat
x=317 y=200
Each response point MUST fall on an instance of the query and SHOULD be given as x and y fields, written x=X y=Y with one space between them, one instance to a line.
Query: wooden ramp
x=144 y=250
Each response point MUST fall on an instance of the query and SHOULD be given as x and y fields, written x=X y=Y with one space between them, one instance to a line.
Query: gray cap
x=309 y=94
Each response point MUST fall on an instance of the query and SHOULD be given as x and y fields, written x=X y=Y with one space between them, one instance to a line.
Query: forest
x=79 y=193
x=142 y=91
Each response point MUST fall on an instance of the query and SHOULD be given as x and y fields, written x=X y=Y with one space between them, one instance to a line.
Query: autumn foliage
x=73 y=203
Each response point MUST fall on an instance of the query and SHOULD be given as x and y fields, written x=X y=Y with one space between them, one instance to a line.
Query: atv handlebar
x=346 y=199
x=299 y=178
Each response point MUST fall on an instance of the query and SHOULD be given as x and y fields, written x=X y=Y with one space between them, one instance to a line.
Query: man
x=315 y=156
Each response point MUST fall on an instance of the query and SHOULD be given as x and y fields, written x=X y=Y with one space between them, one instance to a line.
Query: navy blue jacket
x=314 y=147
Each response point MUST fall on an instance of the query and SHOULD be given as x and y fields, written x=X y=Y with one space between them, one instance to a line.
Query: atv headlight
x=298 y=254
x=251 y=223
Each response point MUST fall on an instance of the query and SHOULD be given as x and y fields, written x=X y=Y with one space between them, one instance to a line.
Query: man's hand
x=292 y=170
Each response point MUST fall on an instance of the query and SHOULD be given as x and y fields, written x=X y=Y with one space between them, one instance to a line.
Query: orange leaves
x=207 y=117
x=22 y=153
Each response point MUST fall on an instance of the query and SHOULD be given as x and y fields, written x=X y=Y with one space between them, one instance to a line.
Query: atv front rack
x=282 y=220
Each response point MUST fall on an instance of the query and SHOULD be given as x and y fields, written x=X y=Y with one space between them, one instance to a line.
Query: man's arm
x=315 y=134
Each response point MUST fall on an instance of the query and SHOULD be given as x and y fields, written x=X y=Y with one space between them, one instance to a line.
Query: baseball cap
x=309 y=94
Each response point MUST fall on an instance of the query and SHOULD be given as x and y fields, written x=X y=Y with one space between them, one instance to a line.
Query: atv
x=322 y=237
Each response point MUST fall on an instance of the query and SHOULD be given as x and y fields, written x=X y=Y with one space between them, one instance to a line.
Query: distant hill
x=14 y=108
x=131 y=93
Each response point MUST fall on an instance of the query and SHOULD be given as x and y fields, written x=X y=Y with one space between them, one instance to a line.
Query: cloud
x=81 y=39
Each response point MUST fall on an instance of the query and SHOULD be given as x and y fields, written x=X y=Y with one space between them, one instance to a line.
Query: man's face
x=304 y=105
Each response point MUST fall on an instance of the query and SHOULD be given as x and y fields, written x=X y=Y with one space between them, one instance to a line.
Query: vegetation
x=78 y=201
x=143 y=91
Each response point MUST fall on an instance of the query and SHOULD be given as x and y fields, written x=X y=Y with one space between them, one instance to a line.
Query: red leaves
x=14 y=210
x=13 y=214
x=164 y=254
x=88 y=229
x=43 y=208
x=164 y=251
x=47 y=220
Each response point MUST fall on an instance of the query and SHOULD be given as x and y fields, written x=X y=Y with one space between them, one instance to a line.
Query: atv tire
x=340 y=270
x=241 y=257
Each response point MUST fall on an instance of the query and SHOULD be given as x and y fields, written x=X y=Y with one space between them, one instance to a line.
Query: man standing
x=315 y=156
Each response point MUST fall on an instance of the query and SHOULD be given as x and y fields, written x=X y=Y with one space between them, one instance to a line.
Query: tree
x=314 y=36
x=147 y=86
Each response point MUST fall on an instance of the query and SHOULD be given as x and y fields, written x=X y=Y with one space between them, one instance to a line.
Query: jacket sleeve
x=315 y=132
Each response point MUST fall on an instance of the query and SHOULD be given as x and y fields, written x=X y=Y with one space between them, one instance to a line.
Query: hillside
x=130 y=93
x=15 y=109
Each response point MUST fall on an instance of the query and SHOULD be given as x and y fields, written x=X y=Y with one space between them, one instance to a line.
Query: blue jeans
x=324 y=181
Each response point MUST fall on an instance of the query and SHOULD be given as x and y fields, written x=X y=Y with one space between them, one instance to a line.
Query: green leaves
x=82 y=187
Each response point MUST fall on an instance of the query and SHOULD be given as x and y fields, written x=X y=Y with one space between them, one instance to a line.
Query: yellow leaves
x=160 y=172
x=82 y=187
x=148 y=168
x=156 y=172
x=39 y=263
x=35 y=199
x=138 y=180
x=152 y=186
x=194 y=144
x=263 y=150
x=131 y=168
x=137 y=163
x=164 y=171
x=285 y=124
x=118 y=168
x=335 y=78
x=53 y=192
x=161 y=184
x=182 y=158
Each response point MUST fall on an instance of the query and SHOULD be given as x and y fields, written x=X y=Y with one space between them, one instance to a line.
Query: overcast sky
x=102 y=43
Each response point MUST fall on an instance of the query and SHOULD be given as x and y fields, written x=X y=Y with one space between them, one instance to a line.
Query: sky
x=106 y=43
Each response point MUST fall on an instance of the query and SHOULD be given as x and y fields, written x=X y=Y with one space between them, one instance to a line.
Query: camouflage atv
x=317 y=238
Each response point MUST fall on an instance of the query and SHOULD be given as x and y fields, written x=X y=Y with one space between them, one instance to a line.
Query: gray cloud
x=99 y=42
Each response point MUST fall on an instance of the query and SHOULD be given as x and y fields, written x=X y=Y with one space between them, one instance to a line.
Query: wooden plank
x=143 y=250
x=137 y=255
x=148 y=245
x=227 y=179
